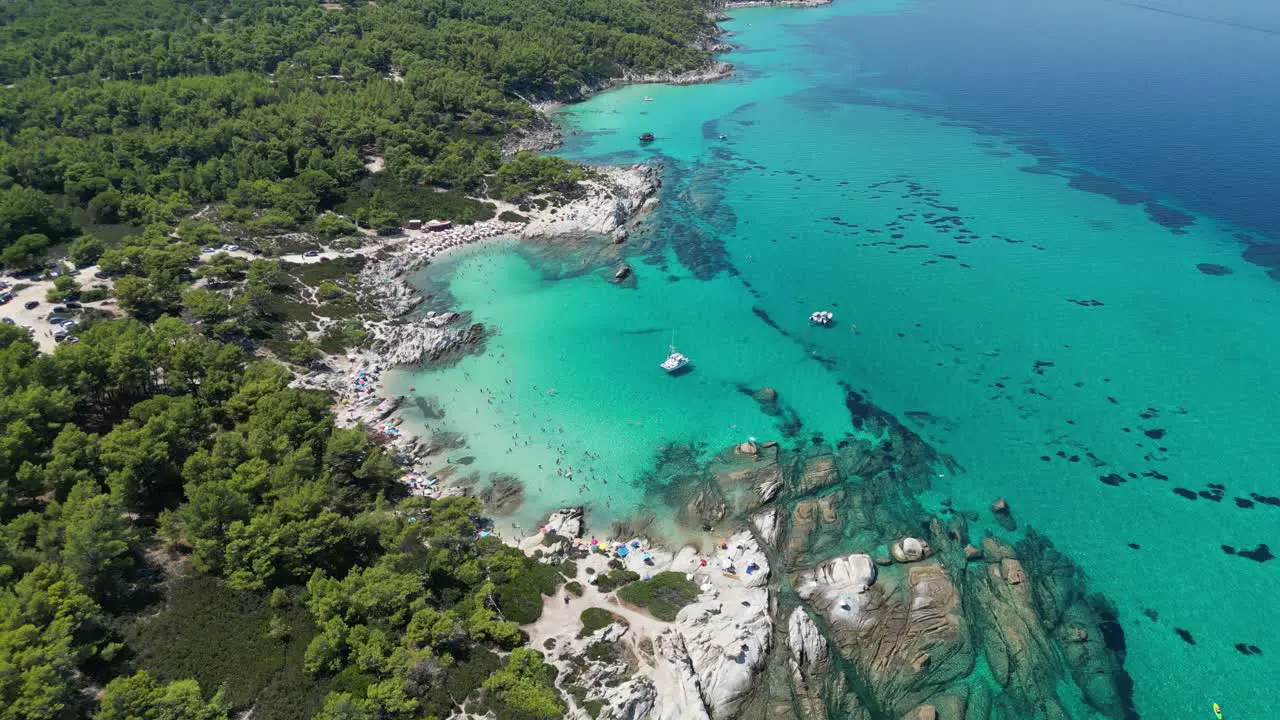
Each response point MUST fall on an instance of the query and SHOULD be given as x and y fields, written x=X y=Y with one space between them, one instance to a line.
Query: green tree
x=524 y=686
x=142 y=697
x=98 y=542
x=85 y=250
x=25 y=251
x=331 y=225
x=65 y=287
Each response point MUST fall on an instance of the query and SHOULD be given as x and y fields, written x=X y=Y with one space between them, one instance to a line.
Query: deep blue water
x=1176 y=97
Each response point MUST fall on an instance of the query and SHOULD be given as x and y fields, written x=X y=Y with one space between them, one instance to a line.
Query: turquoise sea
x=1044 y=230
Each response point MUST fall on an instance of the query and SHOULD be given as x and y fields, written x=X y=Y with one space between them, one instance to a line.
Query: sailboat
x=674 y=360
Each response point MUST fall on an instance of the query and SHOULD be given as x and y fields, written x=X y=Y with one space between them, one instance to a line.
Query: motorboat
x=822 y=317
x=648 y=99
x=647 y=138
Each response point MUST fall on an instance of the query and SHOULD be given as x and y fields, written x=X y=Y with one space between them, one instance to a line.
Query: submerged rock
x=816 y=473
x=1004 y=516
x=504 y=496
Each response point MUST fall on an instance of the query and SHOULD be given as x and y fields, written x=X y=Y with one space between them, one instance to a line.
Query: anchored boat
x=822 y=317
x=647 y=138
x=675 y=361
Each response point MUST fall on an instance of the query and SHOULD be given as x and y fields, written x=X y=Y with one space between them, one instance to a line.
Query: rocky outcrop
x=540 y=134
x=909 y=550
x=903 y=630
x=738 y=482
x=810 y=519
x=611 y=198
x=809 y=663
x=840 y=582
x=633 y=700
x=768 y=525
x=809 y=651
x=1004 y=516
x=721 y=641
x=817 y=472
x=566 y=522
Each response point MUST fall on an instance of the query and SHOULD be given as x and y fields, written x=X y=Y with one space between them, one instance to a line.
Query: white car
x=70 y=323
x=230 y=247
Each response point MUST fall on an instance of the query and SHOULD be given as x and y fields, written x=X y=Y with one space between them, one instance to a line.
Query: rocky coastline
x=826 y=590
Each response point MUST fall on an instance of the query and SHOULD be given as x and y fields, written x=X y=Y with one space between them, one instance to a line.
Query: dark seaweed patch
x=1185 y=635
x=1135 y=546
x=1261 y=553
x=1112 y=479
x=1266 y=499
x=1246 y=649
x=1154 y=433
x=1086 y=303
x=1183 y=492
x=1213 y=269
x=1244 y=503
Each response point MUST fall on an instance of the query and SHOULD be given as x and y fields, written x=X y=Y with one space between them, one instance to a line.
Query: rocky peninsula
x=823 y=589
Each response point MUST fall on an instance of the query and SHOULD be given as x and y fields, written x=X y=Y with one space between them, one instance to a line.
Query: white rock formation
x=809 y=650
x=611 y=198
x=633 y=700
x=909 y=550
x=721 y=640
x=566 y=522
x=768 y=524
x=839 y=583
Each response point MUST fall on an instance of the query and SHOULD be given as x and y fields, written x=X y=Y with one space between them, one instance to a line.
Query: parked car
x=59 y=308
x=57 y=319
x=311 y=253
x=73 y=340
x=5 y=297
x=31 y=304
x=60 y=336
x=7 y=321
x=207 y=250
x=69 y=323
x=74 y=305
x=231 y=247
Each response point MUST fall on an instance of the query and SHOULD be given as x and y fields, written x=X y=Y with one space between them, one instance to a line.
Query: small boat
x=822 y=317
x=674 y=361
x=648 y=99
x=723 y=136
x=647 y=138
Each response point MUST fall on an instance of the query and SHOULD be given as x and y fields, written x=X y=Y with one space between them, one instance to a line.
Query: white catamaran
x=674 y=360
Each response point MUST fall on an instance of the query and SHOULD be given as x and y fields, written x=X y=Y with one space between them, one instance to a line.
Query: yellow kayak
x=1217 y=711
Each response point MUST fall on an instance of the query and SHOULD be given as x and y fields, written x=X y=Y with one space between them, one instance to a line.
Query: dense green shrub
x=663 y=595
x=613 y=580
x=595 y=618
